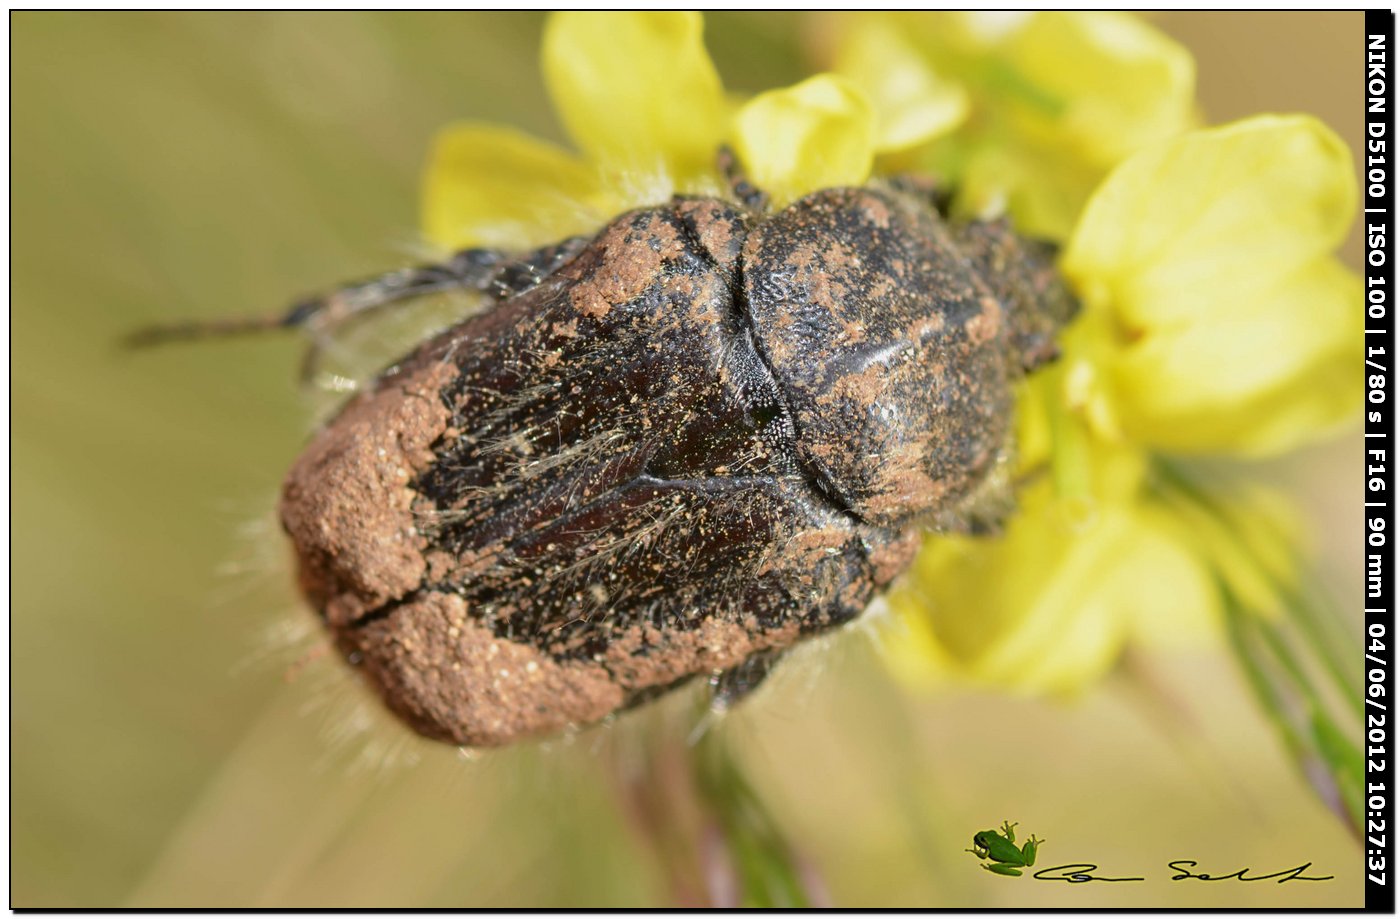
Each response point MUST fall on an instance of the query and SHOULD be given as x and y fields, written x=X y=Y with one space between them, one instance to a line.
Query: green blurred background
x=201 y=165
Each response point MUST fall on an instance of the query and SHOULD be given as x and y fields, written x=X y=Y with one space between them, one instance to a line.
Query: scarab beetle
x=672 y=449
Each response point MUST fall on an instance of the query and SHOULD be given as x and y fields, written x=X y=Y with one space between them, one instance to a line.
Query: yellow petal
x=1044 y=607
x=1042 y=189
x=913 y=104
x=1056 y=99
x=1117 y=84
x=817 y=134
x=1255 y=383
x=1261 y=193
x=1179 y=607
x=1049 y=605
x=636 y=90
x=493 y=186
x=1250 y=540
x=1232 y=329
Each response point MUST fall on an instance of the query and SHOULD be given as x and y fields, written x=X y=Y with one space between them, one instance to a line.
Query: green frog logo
x=999 y=849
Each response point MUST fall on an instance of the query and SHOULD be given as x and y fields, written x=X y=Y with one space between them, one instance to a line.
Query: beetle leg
x=739 y=185
x=499 y=274
x=729 y=687
x=919 y=186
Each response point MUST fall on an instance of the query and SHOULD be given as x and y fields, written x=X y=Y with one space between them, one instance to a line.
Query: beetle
x=671 y=449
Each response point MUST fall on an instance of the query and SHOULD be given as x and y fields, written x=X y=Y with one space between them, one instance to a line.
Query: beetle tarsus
x=190 y=331
x=740 y=187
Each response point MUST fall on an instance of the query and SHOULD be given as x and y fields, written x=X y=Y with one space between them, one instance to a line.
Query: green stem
x=695 y=810
x=1327 y=760
x=1069 y=452
x=1281 y=678
x=1323 y=629
x=770 y=873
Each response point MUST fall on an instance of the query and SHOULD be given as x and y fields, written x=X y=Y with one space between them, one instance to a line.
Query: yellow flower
x=616 y=80
x=913 y=102
x=1215 y=321
x=636 y=91
x=493 y=186
x=1035 y=107
x=1049 y=605
x=817 y=134
x=640 y=98
x=1206 y=265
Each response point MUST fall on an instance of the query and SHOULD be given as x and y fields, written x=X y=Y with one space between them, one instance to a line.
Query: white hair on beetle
x=290 y=646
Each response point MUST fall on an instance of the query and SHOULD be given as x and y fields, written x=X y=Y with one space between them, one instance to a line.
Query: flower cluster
x=1216 y=320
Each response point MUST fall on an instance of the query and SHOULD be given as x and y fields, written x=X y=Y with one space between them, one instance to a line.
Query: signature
x=1082 y=873
x=1288 y=874
x=1075 y=874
